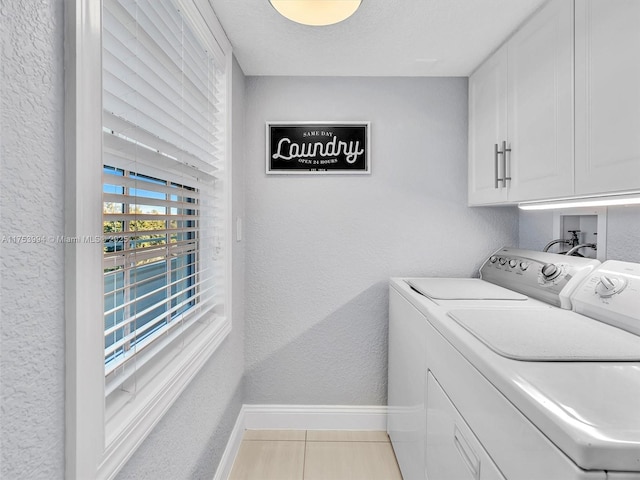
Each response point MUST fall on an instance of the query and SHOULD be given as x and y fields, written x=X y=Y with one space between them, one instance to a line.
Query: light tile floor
x=315 y=455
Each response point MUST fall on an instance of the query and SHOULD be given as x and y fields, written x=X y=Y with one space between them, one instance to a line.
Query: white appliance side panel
x=406 y=385
x=453 y=451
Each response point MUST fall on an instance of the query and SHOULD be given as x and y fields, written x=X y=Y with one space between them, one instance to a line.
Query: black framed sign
x=318 y=148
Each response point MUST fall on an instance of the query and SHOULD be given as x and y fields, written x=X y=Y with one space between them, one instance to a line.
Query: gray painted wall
x=320 y=249
x=190 y=439
x=31 y=276
x=623 y=232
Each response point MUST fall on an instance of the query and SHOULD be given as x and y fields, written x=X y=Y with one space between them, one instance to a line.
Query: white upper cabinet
x=607 y=82
x=540 y=99
x=521 y=113
x=487 y=130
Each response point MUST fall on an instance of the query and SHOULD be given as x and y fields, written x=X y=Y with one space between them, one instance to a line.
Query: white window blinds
x=163 y=201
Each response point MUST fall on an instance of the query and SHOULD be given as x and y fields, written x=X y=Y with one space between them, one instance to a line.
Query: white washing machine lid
x=551 y=335
x=462 y=289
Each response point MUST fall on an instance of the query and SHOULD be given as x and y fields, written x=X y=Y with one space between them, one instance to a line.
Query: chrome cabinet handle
x=496 y=154
x=506 y=162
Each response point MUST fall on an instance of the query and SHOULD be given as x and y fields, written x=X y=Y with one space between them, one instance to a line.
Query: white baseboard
x=315 y=417
x=231 y=450
x=298 y=417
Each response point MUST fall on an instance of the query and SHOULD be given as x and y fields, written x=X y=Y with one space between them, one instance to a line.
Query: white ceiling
x=383 y=38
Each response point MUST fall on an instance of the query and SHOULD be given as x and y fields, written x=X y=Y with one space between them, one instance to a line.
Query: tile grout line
x=304 y=454
x=271 y=440
x=347 y=441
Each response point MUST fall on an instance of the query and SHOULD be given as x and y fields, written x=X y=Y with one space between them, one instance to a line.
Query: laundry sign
x=318 y=148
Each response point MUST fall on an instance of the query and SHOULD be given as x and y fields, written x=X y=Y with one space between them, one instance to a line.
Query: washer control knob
x=493 y=259
x=609 y=286
x=502 y=260
x=513 y=263
x=524 y=266
x=550 y=271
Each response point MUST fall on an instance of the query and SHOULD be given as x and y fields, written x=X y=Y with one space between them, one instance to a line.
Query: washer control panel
x=513 y=263
x=608 y=286
x=549 y=277
x=611 y=294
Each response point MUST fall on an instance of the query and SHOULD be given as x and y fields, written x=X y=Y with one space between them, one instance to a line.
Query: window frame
x=94 y=449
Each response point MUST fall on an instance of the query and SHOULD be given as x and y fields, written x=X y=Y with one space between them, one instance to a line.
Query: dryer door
x=452 y=450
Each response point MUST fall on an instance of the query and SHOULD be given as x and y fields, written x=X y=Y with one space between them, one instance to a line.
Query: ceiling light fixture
x=602 y=201
x=316 y=12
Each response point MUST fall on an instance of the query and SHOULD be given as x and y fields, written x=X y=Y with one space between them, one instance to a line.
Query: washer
x=501 y=386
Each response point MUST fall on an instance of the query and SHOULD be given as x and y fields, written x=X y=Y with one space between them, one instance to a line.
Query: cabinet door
x=540 y=102
x=487 y=128
x=607 y=95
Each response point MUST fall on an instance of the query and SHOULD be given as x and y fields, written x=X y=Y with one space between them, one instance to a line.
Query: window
x=147 y=169
x=151 y=254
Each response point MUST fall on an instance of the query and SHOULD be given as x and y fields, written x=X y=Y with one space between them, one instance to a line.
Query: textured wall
x=190 y=439
x=31 y=275
x=623 y=232
x=320 y=249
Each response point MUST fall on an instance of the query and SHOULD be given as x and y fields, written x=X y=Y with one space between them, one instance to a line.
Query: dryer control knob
x=502 y=260
x=609 y=286
x=550 y=271
x=513 y=263
x=493 y=259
